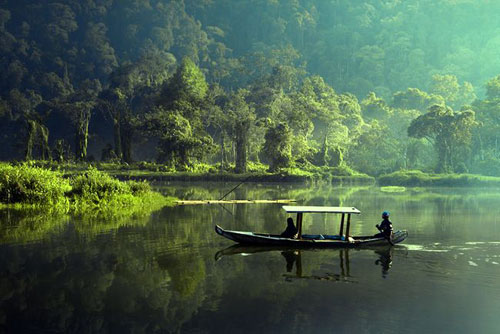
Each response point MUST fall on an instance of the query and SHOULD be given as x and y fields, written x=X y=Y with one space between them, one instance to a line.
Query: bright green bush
x=256 y=167
x=342 y=170
x=27 y=185
x=97 y=185
x=94 y=188
x=138 y=188
x=31 y=185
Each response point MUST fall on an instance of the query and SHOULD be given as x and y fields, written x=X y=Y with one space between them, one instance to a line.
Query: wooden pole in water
x=348 y=229
x=342 y=225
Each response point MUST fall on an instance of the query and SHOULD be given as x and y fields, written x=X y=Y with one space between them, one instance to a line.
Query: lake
x=169 y=272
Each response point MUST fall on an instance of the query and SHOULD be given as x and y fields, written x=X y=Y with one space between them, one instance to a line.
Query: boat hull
x=251 y=238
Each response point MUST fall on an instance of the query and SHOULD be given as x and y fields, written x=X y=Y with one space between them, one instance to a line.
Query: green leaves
x=449 y=131
x=453 y=93
x=187 y=85
x=31 y=185
x=277 y=147
x=493 y=88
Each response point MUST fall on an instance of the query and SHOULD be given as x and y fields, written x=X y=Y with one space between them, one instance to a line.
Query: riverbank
x=259 y=177
x=152 y=172
x=141 y=174
x=26 y=186
x=416 y=178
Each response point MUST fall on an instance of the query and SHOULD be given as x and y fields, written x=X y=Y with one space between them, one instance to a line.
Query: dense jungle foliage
x=366 y=85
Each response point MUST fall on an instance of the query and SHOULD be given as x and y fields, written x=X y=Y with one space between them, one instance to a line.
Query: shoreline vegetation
x=82 y=188
x=39 y=199
x=152 y=172
x=87 y=191
x=416 y=178
x=78 y=187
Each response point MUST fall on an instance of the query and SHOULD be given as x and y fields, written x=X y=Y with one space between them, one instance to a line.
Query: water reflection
x=294 y=259
x=343 y=275
x=384 y=260
x=157 y=273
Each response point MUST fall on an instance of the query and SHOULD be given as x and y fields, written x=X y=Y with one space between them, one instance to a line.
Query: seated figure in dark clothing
x=291 y=230
x=385 y=226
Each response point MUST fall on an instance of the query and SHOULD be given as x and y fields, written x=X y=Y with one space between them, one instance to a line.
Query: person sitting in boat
x=291 y=230
x=385 y=226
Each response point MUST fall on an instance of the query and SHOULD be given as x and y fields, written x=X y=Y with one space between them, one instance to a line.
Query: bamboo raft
x=236 y=201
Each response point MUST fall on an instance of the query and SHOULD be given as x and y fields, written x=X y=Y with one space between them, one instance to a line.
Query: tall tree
x=78 y=106
x=278 y=146
x=242 y=118
x=450 y=132
x=25 y=107
x=178 y=146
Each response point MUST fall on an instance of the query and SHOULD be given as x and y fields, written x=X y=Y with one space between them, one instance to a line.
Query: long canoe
x=252 y=238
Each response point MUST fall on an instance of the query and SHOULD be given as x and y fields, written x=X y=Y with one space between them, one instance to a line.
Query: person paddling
x=385 y=227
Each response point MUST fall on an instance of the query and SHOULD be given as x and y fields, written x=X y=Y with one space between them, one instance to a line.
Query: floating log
x=236 y=201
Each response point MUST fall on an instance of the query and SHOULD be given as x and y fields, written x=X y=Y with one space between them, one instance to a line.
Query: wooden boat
x=343 y=239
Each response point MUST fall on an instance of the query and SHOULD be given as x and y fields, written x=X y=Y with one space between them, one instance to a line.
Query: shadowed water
x=169 y=272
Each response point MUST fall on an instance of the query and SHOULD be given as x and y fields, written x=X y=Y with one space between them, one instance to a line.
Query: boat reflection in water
x=294 y=259
x=344 y=274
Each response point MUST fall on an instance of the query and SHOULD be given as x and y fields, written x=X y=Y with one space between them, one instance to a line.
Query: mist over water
x=170 y=272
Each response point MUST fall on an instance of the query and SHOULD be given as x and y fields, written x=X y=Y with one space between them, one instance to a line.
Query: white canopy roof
x=321 y=209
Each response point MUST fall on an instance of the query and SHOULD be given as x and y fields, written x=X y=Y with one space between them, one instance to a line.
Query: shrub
x=97 y=185
x=138 y=188
x=256 y=167
x=31 y=185
x=421 y=179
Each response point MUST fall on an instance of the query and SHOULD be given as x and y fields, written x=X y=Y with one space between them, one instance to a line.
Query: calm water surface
x=169 y=272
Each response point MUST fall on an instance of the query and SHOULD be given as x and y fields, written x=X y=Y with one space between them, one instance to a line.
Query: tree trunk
x=222 y=149
x=241 y=152
x=30 y=140
x=44 y=133
x=126 y=141
x=117 y=137
x=82 y=135
x=444 y=157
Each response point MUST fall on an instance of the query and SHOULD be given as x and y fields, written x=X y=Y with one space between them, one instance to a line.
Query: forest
x=349 y=86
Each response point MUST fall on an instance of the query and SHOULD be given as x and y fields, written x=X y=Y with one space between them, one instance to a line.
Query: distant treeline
x=352 y=85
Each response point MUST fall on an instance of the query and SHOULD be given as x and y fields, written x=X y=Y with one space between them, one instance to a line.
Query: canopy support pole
x=341 y=232
x=348 y=227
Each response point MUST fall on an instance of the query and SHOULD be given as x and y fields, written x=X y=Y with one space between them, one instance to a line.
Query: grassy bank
x=415 y=178
x=208 y=173
x=248 y=177
x=90 y=190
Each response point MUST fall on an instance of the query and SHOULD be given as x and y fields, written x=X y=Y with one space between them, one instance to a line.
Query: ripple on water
x=472 y=263
x=423 y=248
